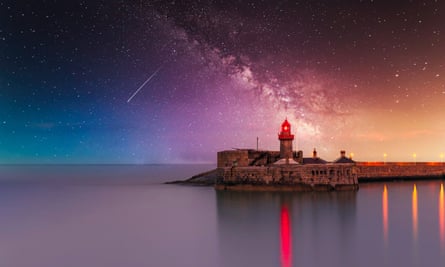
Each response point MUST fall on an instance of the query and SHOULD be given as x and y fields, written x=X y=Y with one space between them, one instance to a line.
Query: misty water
x=124 y=216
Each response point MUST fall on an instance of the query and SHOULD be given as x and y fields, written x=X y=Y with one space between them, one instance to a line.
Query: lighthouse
x=286 y=138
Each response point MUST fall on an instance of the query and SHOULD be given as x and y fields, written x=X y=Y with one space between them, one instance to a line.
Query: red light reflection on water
x=286 y=242
x=385 y=212
x=442 y=216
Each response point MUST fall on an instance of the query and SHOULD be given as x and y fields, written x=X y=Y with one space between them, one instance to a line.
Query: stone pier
x=381 y=171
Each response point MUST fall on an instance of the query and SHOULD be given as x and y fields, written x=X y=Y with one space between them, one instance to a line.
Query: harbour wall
x=389 y=171
x=364 y=171
x=308 y=177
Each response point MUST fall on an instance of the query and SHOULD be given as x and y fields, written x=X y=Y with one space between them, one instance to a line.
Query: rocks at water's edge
x=206 y=178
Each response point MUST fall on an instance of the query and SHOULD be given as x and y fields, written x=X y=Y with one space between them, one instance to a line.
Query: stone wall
x=231 y=158
x=252 y=167
x=262 y=158
x=381 y=171
x=310 y=174
x=251 y=157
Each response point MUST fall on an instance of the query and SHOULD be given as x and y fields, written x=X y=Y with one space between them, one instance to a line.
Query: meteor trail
x=140 y=87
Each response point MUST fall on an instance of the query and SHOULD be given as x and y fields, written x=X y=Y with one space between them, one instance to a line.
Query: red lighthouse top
x=285 y=133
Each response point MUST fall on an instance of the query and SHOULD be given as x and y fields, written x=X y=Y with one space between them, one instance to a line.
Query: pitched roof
x=314 y=161
x=343 y=160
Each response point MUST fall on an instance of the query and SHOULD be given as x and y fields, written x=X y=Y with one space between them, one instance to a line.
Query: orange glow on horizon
x=286 y=241
x=385 y=213
x=441 y=216
x=414 y=211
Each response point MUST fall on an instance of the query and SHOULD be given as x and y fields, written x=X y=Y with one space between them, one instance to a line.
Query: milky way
x=365 y=76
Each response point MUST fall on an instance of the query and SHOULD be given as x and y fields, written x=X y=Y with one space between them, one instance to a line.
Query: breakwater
x=364 y=171
x=394 y=171
x=289 y=177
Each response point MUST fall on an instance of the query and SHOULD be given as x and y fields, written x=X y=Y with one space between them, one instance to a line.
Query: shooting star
x=140 y=87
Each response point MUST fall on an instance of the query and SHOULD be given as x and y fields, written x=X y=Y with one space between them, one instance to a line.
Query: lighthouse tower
x=286 y=139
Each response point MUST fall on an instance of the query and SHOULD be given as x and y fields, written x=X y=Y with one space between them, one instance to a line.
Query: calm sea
x=119 y=216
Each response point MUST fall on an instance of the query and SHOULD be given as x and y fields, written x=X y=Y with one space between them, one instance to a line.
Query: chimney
x=342 y=153
x=314 y=154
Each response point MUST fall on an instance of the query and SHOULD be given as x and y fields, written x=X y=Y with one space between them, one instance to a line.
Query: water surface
x=125 y=216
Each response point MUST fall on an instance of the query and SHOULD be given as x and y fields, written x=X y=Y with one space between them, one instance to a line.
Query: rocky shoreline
x=207 y=178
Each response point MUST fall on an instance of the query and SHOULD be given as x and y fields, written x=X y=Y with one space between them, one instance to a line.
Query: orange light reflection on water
x=441 y=216
x=414 y=211
x=385 y=213
x=286 y=241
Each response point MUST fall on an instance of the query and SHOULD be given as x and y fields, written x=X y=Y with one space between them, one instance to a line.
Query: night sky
x=364 y=76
